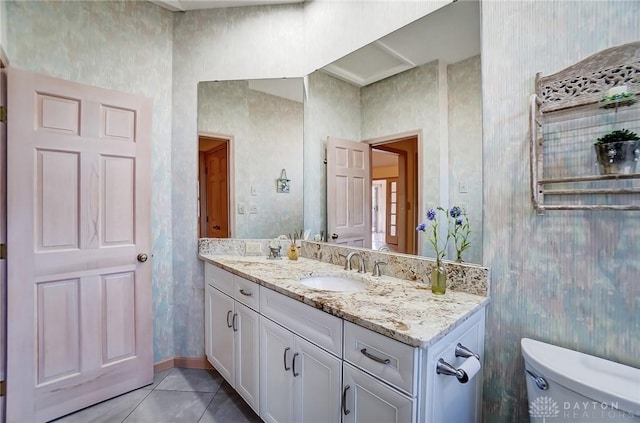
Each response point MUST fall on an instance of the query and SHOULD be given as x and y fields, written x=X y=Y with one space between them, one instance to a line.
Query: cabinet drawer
x=218 y=278
x=317 y=326
x=390 y=360
x=247 y=292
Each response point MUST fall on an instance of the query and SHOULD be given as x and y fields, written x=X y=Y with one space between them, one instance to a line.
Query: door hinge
x=3 y=114
x=3 y=388
x=3 y=251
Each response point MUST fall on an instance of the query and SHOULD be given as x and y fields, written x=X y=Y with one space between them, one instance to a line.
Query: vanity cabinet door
x=247 y=349
x=368 y=400
x=221 y=335
x=317 y=382
x=276 y=380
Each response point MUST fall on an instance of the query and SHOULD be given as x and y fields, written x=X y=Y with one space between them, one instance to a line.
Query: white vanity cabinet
x=366 y=399
x=292 y=362
x=390 y=396
x=299 y=380
x=232 y=337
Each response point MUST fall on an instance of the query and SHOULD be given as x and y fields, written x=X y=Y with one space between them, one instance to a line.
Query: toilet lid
x=602 y=380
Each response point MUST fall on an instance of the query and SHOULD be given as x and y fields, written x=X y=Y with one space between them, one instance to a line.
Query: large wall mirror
x=250 y=158
x=415 y=97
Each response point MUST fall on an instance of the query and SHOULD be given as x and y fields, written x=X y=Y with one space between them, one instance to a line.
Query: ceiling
x=184 y=5
x=450 y=34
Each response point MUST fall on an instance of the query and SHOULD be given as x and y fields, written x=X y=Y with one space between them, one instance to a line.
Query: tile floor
x=176 y=395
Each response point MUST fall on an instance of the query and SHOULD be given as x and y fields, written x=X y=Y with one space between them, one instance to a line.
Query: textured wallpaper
x=410 y=101
x=465 y=147
x=569 y=278
x=124 y=46
x=331 y=108
x=267 y=132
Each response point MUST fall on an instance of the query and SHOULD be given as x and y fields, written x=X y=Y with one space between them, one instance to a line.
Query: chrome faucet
x=376 y=267
x=347 y=263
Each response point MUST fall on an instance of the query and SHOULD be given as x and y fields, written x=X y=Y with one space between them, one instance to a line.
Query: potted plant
x=618 y=152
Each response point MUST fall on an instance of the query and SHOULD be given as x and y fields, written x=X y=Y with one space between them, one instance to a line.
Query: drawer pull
x=233 y=322
x=293 y=365
x=285 y=359
x=374 y=358
x=345 y=410
x=228 y=315
x=248 y=294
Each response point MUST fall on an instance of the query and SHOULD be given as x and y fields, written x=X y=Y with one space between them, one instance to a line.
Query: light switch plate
x=240 y=208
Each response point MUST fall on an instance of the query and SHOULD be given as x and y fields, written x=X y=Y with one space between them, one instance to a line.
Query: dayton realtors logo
x=544 y=407
x=547 y=407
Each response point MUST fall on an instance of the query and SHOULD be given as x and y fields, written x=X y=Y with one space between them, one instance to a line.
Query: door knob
x=142 y=257
x=334 y=236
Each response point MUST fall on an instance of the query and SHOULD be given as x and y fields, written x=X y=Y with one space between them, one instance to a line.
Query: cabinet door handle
x=248 y=294
x=233 y=322
x=345 y=410
x=228 y=314
x=293 y=365
x=285 y=359
x=374 y=358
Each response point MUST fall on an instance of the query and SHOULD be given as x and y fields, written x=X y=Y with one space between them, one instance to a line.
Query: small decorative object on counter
x=294 y=251
x=618 y=152
x=439 y=279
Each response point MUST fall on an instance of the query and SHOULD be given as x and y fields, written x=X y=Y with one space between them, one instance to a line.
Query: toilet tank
x=581 y=387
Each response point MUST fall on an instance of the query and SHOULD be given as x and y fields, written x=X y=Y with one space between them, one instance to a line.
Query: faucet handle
x=376 y=267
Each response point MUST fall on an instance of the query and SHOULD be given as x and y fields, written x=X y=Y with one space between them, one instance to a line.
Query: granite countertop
x=406 y=311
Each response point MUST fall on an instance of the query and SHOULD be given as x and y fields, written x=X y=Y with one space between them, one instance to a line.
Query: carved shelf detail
x=567 y=108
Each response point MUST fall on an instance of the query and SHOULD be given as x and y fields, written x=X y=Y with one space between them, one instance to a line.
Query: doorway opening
x=394 y=193
x=213 y=186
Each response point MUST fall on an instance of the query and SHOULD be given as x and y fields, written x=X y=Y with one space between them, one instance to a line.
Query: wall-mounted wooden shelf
x=567 y=116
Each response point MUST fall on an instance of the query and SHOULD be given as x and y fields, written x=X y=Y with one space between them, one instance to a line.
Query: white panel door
x=79 y=286
x=3 y=235
x=247 y=355
x=276 y=381
x=367 y=400
x=349 y=192
x=221 y=333
x=317 y=382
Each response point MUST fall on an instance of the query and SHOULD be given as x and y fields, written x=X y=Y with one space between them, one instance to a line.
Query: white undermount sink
x=334 y=283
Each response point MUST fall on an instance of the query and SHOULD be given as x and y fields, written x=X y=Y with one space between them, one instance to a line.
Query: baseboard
x=182 y=362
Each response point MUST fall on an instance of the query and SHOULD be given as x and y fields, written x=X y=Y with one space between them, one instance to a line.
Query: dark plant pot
x=618 y=157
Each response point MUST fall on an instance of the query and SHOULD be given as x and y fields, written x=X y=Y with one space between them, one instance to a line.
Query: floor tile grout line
x=210 y=401
x=137 y=405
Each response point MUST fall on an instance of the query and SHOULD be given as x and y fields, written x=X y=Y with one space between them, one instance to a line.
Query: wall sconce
x=282 y=183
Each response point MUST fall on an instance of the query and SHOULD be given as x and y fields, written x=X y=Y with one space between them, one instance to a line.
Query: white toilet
x=568 y=386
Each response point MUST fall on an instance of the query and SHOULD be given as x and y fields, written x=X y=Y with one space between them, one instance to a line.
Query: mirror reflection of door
x=394 y=161
x=214 y=188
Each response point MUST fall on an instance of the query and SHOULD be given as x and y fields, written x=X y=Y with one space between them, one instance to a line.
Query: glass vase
x=293 y=252
x=439 y=279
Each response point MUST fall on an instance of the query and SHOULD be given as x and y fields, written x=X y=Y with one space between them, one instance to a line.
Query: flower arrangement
x=432 y=234
x=458 y=231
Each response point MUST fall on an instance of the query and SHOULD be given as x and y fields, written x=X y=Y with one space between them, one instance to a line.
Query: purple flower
x=431 y=214
x=421 y=227
x=455 y=212
x=458 y=222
